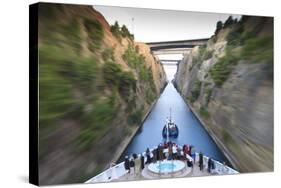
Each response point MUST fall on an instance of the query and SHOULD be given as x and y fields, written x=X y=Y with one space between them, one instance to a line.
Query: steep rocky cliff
x=95 y=88
x=229 y=85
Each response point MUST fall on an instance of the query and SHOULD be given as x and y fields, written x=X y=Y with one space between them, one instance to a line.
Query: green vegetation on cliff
x=203 y=54
x=242 y=45
x=136 y=117
x=220 y=71
x=121 y=32
x=208 y=95
x=258 y=49
x=95 y=33
x=96 y=122
x=117 y=78
x=200 y=57
x=88 y=96
x=62 y=78
x=195 y=92
x=86 y=89
x=132 y=58
x=137 y=61
x=235 y=96
x=204 y=112
x=108 y=54
x=255 y=47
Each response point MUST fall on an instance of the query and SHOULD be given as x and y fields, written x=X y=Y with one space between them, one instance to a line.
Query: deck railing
x=116 y=171
x=219 y=167
x=112 y=173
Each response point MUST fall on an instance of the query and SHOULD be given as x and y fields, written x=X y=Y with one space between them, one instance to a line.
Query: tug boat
x=170 y=130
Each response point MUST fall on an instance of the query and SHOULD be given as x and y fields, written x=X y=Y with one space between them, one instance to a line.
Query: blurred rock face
x=95 y=87
x=229 y=83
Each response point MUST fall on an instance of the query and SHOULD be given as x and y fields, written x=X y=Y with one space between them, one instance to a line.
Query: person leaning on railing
x=127 y=164
x=137 y=163
x=132 y=165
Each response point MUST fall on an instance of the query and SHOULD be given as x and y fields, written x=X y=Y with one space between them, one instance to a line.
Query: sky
x=152 y=25
x=170 y=71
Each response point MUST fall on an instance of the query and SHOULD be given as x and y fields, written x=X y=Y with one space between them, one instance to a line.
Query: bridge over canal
x=179 y=47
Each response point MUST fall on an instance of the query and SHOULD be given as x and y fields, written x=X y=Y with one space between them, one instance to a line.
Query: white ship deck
x=118 y=172
x=144 y=175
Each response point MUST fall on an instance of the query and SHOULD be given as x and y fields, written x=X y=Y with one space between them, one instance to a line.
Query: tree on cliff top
x=121 y=32
x=218 y=27
x=115 y=29
x=228 y=22
x=124 y=31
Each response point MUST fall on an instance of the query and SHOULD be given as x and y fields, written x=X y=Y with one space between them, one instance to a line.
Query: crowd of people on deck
x=169 y=151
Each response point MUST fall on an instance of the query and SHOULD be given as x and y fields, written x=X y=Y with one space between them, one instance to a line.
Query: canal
x=190 y=129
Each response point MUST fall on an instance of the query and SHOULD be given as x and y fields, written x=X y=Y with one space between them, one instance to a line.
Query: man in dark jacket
x=189 y=163
x=148 y=158
x=161 y=154
x=132 y=165
x=210 y=161
x=201 y=161
x=154 y=158
x=158 y=152
x=142 y=162
x=127 y=164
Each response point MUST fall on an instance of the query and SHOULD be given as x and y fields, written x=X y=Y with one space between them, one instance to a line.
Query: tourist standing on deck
x=192 y=153
x=161 y=153
x=166 y=145
x=213 y=166
x=210 y=161
x=179 y=155
x=158 y=152
x=148 y=156
x=201 y=161
x=142 y=161
x=127 y=164
x=137 y=163
x=186 y=149
x=183 y=148
x=189 y=163
x=154 y=158
x=132 y=165
x=170 y=152
x=174 y=151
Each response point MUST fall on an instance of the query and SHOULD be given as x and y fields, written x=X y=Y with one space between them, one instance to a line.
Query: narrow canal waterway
x=190 y=129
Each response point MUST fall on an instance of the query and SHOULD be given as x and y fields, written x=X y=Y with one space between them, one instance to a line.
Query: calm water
x=190 y=130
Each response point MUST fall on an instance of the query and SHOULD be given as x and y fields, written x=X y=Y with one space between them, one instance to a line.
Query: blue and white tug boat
x=170 y=130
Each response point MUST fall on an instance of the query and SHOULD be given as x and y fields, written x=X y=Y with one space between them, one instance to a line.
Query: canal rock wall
x=229 y=85
x=96 y=86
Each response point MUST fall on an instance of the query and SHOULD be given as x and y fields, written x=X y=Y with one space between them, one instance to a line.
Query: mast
x=133 y=19
x=167 y=127
x=170 y=115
